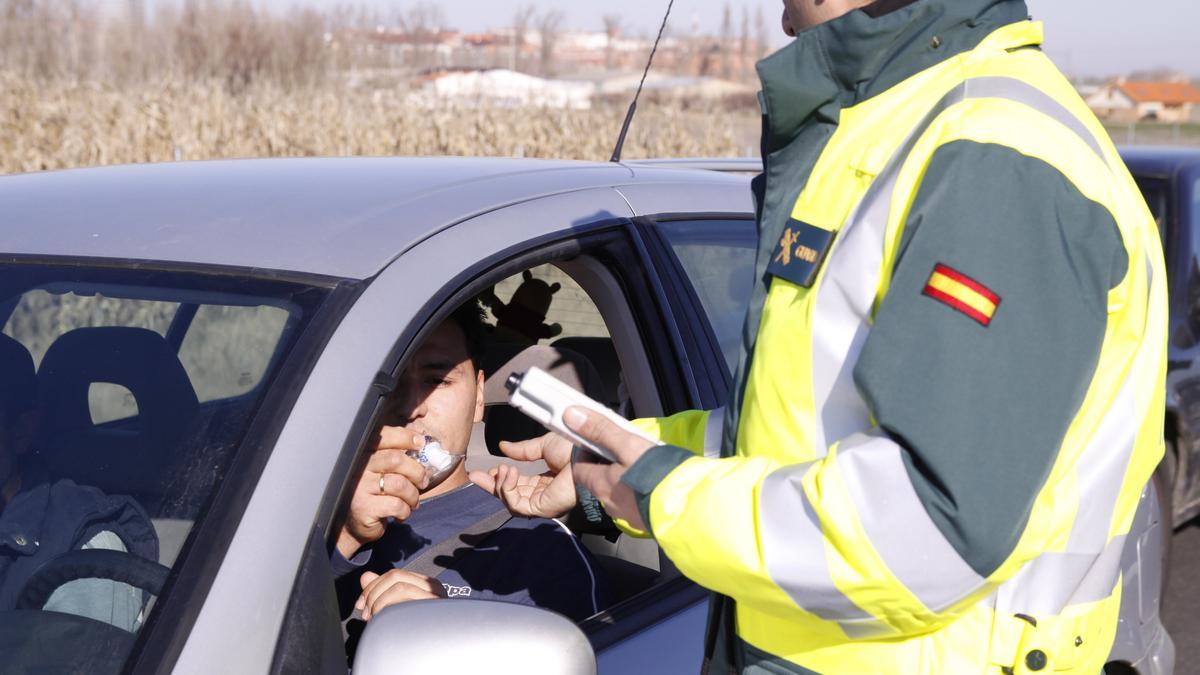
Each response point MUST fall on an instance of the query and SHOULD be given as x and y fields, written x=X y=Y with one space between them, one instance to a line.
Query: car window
x=568 y=311
x=227 y=348
x=718 y=257
x=125 y=395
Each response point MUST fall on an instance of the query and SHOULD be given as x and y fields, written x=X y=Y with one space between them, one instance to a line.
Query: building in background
x=500 y=87
x=1125 y=101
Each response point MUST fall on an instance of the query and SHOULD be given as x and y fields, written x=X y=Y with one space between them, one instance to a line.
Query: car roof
x=344 y=217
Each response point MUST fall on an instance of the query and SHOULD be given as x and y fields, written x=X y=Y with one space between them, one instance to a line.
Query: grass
x=63 y=125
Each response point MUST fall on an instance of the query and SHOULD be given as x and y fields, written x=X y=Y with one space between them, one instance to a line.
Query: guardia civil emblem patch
x=801 y=251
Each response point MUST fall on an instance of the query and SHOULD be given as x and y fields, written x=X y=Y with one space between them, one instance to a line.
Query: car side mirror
x=472 y=636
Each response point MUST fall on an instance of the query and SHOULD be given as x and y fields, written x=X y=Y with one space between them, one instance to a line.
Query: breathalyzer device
x=545 y=398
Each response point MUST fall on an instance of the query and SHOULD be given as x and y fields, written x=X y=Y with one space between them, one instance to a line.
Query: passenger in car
x=407 y=539
x=41 y=519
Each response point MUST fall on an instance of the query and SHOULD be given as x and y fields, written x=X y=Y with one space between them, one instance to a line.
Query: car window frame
x=674 y=393
x=617 y=237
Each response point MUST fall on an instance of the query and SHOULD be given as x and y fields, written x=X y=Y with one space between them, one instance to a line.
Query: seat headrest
x=601 y=352
x=131 y=456
x=138 y=359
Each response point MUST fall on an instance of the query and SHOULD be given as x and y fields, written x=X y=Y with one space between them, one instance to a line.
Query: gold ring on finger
x=381 y=490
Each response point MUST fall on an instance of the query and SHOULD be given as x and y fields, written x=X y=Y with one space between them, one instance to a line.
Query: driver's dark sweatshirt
x=532 y=561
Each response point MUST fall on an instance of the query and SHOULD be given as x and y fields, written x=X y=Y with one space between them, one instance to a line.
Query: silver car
x=215 y=340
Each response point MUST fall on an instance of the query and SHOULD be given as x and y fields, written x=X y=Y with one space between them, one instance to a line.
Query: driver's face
x=440 y=393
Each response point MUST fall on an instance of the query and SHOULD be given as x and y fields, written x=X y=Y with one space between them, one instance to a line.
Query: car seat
x=132 y=456
x=601 y=353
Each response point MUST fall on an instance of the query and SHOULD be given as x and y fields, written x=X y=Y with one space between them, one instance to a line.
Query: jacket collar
x=847 y=60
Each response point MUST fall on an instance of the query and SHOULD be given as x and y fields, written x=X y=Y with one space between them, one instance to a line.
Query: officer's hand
x=393 y=587
x=604 y=480
x=390 y=487
x=548 y=495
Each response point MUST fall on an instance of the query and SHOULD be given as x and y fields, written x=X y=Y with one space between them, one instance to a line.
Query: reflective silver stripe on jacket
x=712 y=433
x=793 y=548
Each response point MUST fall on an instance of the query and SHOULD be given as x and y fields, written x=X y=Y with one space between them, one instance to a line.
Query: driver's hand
x=392 y=587
x=390 y=487
x=548 y=495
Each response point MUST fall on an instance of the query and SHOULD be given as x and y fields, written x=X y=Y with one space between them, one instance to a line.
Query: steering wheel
x=120 y=566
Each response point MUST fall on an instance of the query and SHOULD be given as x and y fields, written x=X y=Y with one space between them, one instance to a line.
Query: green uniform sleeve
x=981 y=410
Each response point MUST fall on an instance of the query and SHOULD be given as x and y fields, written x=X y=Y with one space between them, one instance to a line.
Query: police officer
x=951 y=390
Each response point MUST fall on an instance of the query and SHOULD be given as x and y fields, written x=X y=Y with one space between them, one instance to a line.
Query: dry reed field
x=208 y=79
x=55 y=125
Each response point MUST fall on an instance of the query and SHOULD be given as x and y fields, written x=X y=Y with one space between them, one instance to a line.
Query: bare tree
x=422 y=25
x=246 y=47
x=137 y=14
x=726 y=41
x=760 y=33
x=191 y=42
x=520 y=26
x=612 y=29
x=744 y=50
x=549 y=27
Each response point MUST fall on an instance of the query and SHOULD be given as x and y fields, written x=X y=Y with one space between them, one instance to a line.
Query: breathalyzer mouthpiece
x=438 y=462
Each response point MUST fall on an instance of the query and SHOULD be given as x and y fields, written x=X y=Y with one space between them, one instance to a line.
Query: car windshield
x=124 y=395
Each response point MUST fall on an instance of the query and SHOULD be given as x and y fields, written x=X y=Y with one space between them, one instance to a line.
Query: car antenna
x=616 y=156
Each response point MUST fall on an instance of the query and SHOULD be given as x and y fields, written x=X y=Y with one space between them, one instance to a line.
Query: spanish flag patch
x=963 y=293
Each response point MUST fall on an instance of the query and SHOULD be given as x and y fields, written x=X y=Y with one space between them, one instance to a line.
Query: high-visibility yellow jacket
x=951 y=393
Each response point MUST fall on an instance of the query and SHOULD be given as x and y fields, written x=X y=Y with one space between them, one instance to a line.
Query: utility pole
x=521 y=19
x=549 y=28
x=726 y=41
x=612 y=29
x=760 y=32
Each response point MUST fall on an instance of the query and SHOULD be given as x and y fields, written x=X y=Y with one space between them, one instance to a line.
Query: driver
x=396 y=515
x=41 y=519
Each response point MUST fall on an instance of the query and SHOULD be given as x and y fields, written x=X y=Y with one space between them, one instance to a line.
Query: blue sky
x=1088 y=37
